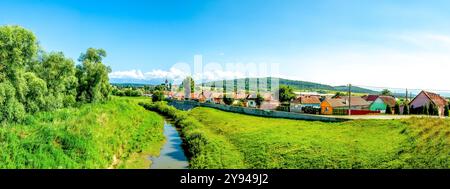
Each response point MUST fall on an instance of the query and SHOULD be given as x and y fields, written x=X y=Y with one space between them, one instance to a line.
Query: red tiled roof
x=307 y=100
x=370 y=97
x=388 y=100
x=436 y=98
x=357 y=101
x=336 y=102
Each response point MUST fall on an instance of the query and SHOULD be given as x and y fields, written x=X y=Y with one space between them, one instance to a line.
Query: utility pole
x=349 y=99
x=406 y=95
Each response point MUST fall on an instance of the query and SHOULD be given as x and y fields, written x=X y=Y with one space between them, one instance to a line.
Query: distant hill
x=302 y=85
x=136 y=81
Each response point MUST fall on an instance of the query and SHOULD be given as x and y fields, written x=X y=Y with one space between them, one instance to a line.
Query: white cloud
x=172 y=74
x=131 y=74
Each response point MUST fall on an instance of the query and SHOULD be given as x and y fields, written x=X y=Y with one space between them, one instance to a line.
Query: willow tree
x=59 y=73
x=92 y=74
x=18 y=47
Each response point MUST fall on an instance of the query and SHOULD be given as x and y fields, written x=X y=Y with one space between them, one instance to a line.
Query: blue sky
x=366 y=42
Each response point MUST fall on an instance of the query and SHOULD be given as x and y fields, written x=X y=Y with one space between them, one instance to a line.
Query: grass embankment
x=206 y=149
x=219 y=139
x=282 y=143
x=108 y=135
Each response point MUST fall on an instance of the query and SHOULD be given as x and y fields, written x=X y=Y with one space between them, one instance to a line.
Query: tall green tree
x=446 y=110
x=286 y=93
x=18 y=48
x=92 y=74
x=386 y=92
x=388 y=109
x=397 y=108
x=259 y=100
x=425 y=110
x=406 y=109
x=59 y=74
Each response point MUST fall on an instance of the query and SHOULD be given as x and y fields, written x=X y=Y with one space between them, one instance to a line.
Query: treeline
x=131 y=91
x=32 y=80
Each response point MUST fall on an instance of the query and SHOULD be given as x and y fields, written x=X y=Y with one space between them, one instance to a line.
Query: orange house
x=327 y=106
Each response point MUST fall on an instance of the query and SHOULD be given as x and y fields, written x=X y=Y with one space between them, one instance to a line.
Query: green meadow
x=230 y=140
x=113 y=134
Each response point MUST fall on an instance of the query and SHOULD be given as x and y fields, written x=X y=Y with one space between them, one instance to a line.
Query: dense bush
x=157 y=96
x=32 y=80
x=127 y=92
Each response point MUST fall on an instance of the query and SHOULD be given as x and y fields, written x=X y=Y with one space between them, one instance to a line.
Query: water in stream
x=172 y=154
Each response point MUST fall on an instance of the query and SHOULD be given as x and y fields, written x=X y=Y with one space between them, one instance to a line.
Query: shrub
x=157 y=96
x=388 y=109
x=446 y=111
x=397 y=108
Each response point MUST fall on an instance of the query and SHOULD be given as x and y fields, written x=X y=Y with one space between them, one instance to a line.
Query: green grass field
x=257 y=142
x=109 y=135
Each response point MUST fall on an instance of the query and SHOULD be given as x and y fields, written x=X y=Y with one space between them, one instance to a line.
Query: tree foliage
x=92 y=74
x=388 y=109
x=32 y=80
x=386 y=92
x=406 y=109
x=259 y=100
x=397 y=109
x=286 y=93
x=446 y=110
x=157 y=96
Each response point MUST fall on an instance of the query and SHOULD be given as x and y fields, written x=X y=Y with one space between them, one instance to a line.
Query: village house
x=206 y=96
x=270 y=102
x=341 y=105
x=299 y=103
x=424 y=98
x=240 y=97
x=217 y=98
x=382 y=102
x=370 y=98
x=251 y=100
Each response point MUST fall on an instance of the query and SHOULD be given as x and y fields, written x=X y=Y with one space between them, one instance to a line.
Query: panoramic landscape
x=230 y=95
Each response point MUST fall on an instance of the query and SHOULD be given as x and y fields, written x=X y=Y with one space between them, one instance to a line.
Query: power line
x=400 y=88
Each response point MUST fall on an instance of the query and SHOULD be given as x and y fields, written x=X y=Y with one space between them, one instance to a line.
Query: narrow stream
x=172 y=154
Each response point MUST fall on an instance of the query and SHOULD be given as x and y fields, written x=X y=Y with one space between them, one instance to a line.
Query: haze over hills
x=302 y=85
x=297 y=85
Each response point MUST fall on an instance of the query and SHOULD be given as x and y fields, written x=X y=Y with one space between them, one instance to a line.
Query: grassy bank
x=219 y=139
x=109 y=135
x=281 y=143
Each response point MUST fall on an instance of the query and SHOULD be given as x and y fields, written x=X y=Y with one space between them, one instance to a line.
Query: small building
x=240 y=98
x=328 y=106
x=341 y=105
x=299 y=103
x=269 y=105
x=382 y=102
x=206 y=96
x=217 y=98
x=251 y=100
x=424 y=98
